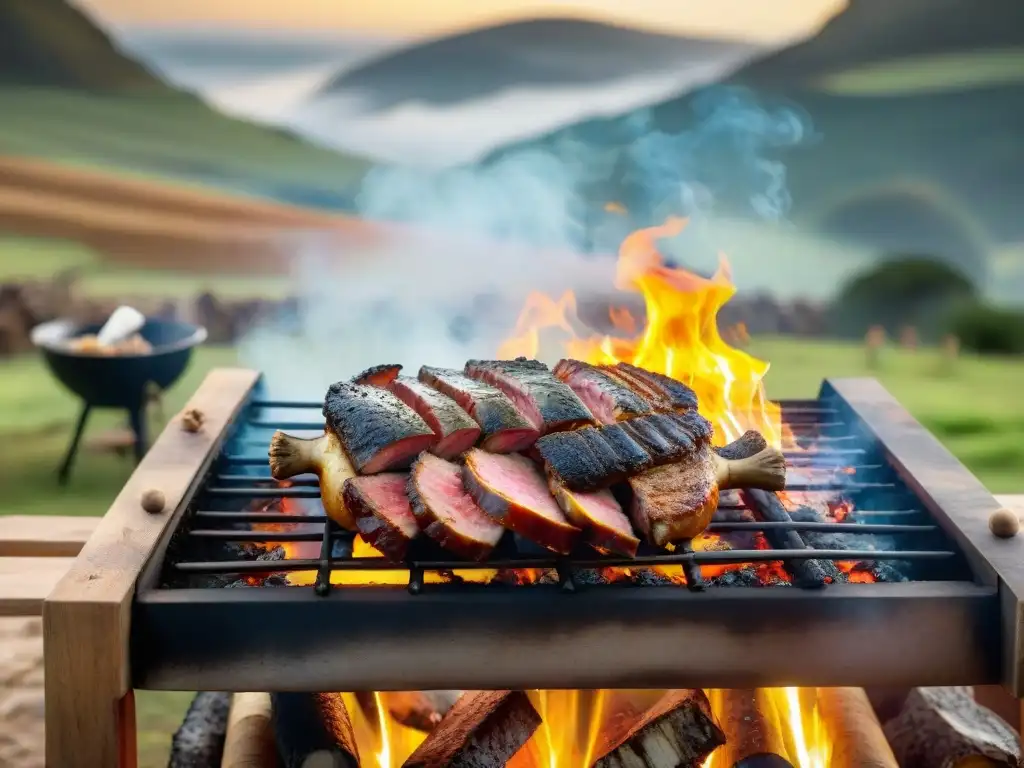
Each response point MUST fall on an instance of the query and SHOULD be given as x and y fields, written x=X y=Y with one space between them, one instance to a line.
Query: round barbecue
x=151 y=359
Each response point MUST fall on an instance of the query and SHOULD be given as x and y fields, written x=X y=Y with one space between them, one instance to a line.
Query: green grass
x=164 y=134
x=41 y=259
x=976 y=410
x=929 y=74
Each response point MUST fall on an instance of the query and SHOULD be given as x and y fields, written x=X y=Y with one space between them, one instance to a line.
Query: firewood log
x=679 y=729
x=947 y=728
x=249 y=742
x=199 y=742
x=750 y=735
x=420 y=710
x=483 y=728
x=856 y=735
x=313 y=729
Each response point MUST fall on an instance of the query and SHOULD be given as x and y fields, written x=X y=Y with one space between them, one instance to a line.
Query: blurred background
x=326 y=185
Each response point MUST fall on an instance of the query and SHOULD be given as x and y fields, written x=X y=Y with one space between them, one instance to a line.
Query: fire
x=680 y=338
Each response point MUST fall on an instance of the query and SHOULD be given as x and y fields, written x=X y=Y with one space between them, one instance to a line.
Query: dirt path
x=157 y=225
x=21 y=693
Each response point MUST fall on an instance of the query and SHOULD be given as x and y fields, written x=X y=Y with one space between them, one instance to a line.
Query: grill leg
x=69 y=457
x=137 y=422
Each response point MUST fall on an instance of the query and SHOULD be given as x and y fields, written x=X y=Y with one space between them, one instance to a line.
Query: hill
x=67 y=93
x=535 y=52
x=908 y=102
x=49 y=43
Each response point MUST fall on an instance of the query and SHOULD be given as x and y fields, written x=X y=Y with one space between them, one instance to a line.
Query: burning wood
x=854 y=731
x=946 y=727
x=750 y=733
x=677 y=730
x=483 y=728
x=314 y=725
x=249 y=742
x=420 y=710
x=199 y=742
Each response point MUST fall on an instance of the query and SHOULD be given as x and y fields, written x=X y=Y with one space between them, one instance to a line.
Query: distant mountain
x=49 y=43
x=917 y=110
x=536 y=52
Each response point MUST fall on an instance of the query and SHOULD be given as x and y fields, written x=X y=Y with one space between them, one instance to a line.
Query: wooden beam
x=86 y=619
x=44 y=535
x=26 y=581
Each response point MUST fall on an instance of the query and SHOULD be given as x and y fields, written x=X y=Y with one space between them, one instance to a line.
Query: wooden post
x=90 y=707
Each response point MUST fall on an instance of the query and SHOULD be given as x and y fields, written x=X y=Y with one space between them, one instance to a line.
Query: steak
x=377 y=430
x=606 y=397
x=660 y=448
x=549 y=404
x=628 y=449
x=675 y=501
x=605 y=526
x=322 y=456
x=512 y=490
x=383 y=515
x=446 y=513
x=455 y=429
x=505 y=429
x=679 y=395
x=378 y=375
x=653 y=396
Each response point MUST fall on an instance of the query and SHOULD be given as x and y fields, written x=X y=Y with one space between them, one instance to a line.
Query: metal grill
x=887 y=532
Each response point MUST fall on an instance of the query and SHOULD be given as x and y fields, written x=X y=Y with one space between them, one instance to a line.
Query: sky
x=755 y=20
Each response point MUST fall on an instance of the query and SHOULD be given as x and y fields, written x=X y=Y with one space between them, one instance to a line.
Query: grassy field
x=976 y=410
x=164 y=135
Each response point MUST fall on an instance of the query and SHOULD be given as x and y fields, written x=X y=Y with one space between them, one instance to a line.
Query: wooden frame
x=90 y=709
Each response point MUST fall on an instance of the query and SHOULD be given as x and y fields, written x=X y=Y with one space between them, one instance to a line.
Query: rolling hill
x=68 y=94
x=913 y=103
x=535 y=52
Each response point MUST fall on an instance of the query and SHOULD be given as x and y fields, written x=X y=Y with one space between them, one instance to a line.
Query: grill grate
x=828 y=454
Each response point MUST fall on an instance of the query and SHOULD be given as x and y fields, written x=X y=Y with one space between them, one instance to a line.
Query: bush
x=989 y=330
x=914 y=290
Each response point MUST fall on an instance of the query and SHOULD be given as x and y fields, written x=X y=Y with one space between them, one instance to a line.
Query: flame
x=680 y=339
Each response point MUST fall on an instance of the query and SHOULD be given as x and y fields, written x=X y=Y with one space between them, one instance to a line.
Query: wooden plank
x=86 y=617
x=44 y=535
x=956 y=498
x=26 y=581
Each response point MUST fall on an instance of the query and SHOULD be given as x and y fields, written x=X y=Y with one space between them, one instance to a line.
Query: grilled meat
x=680 y=396
x=322 y=456
x=378 y=375
x=505 y=429
x=605 y=526
x=455 y=429
x=512 y=491
x=383 y=515
x=660 y=447
x=628 y=449
x=378 y=431
x=447 y=513
x=677 y=501
x=608 y=398
x=549 y=404
x=653 y=396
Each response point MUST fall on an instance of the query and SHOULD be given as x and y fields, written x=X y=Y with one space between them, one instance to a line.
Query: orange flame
x=680 y=339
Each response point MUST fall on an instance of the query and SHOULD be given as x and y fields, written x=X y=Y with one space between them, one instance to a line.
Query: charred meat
x=447 y=513
x=378 y=431
x=383 y=515
x=505 y=429
x=512 y=491
x=322 y=456
x=679 y=395
x=455 y=429
x=378 y=375
x=659 y=446
x=549 y=404
x=606 y=397
x=605 y=526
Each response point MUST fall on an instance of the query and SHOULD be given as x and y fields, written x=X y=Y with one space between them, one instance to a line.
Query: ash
x=746 y=577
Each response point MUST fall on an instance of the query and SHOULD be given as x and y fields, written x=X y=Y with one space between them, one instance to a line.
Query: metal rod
x=769 y=508
x=291 y=482
x=736 y=556
x=317 y=404
x=227 y=534
x=257 y=517
x=290 y=425
x=265 y=493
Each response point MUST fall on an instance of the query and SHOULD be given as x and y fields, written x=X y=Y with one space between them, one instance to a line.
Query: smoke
x=446 y=278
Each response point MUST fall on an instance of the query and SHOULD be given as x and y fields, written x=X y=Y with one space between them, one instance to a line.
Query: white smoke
x=447 y=283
